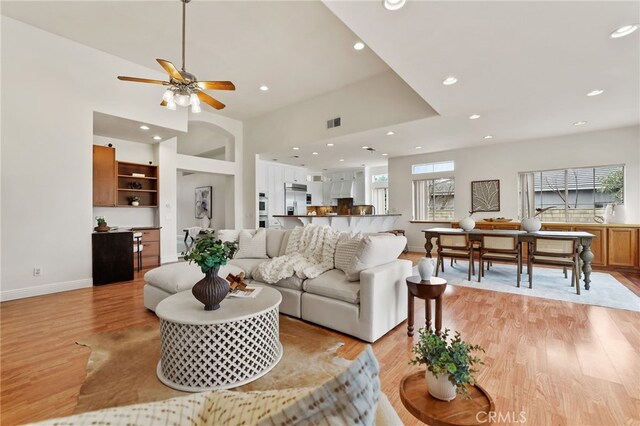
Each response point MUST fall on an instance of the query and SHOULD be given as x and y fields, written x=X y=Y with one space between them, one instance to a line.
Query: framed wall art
x=485 y=195
x=203 y=202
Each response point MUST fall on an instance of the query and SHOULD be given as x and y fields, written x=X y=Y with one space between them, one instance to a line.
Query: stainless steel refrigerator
x=295 y=199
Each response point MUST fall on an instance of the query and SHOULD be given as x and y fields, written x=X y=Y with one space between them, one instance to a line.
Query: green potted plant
x=210 y=254
x=134 y=200
x=102 y=224
x=449 y=363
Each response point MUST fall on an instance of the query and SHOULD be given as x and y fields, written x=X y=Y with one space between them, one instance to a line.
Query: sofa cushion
x=274 y=241
x=227 y=234
x=285 y=242
x=294 y=282
x=375 y=250
x=181 y=276
x=247 y=265
x=252 y=244
x=334 y=284
x=346 y=250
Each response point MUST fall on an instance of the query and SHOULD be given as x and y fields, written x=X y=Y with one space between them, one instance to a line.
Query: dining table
x=584 y=240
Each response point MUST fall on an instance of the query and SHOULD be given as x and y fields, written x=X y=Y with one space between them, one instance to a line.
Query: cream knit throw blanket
x=309 y=253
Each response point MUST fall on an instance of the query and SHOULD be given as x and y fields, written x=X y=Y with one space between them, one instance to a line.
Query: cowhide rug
x=122 y=366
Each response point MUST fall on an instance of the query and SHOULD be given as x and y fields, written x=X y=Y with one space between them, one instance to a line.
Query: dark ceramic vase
x=211 y=290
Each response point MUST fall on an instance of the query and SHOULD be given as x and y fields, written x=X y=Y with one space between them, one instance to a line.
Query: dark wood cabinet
x=104 y=176
x=112 y=254
x=151 y=248
x=140 y=180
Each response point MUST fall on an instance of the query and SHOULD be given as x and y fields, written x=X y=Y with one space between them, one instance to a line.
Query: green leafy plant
x=452 y=358
x=613 y=184
x=133 y=198
x=101 y=220
x=211 y=253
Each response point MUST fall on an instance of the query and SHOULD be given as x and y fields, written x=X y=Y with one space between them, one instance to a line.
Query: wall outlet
x=37 y=272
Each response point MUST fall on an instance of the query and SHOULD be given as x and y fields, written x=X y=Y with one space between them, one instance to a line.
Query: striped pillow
x=346 y=250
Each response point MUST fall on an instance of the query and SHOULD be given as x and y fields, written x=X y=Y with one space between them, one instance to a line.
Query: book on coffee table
x=247 y=292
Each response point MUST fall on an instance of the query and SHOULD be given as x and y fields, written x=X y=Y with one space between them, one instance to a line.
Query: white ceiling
x=524 y=66
x=299 y=49
x=111 y=126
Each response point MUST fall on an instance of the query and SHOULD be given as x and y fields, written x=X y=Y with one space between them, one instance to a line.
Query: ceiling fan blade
x=142 y=80
x=170 y=69
x=216 y=85
x=163 y=103
x=210 y=101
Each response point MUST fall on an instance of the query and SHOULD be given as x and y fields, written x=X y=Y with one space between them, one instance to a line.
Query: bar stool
x=137 y=248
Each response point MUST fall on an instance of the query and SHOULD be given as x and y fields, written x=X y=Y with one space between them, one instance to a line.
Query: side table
x=427 y=290
x=460 y=411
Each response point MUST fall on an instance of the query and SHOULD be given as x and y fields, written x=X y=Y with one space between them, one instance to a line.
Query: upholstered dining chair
x=501 y=248
x=455 y=247
x=555 y=252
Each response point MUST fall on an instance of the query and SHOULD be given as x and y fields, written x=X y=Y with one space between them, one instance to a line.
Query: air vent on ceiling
x=334 y=122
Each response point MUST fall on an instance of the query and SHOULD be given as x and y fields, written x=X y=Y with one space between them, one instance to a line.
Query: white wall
x=379 y=101
x=505 y=161
x=47 y=135
x=186 y=186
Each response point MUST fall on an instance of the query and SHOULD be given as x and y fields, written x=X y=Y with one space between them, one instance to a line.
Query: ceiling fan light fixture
x=182 y=99
x=167 y=96
x=195 y=108
x=171 y=105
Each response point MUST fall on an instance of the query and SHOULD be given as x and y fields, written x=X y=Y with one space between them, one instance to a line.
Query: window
x=380 y=200
x=380 y=178
x=433 y=199
x=571 y=195
x=443 y=166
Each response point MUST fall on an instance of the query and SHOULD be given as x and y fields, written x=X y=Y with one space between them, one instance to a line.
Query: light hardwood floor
x=559 y=363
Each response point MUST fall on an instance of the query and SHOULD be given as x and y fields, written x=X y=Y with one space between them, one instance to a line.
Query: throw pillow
x=346 y=250
x=374 y=251
x=227 y=234
x=252 y=244
x=274 y=241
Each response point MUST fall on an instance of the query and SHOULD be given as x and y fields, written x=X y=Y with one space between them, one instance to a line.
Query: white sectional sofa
x=366 y=308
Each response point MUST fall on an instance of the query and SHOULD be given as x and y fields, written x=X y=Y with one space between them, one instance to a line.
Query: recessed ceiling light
x=359 y=45
x=449 y=81
x=365 y=147
x=157 y=138
x=418 y=147
x=329 y=144
x=314 y=153
x=579 y=123
x=595 y=92
x=342 y=159
x=390 y=133
x=393 y=4
x=295 y=148
x=264 y=88
x=624 y=31
x=144 y=127
x=489 y=137
x=384 y=154
x=474 y=117
x=362 y=164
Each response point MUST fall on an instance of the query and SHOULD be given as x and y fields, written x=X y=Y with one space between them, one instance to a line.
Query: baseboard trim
x=40 y=290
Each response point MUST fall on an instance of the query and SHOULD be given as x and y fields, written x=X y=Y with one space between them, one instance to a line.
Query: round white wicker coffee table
x=232 y=346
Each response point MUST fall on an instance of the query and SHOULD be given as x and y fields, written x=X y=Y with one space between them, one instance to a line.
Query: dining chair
x=501 y=248
x=555 y=252
x=455 y=247
x=137 y=248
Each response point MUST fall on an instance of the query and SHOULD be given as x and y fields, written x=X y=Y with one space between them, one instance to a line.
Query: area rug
x=122 y=366
x=548 y=283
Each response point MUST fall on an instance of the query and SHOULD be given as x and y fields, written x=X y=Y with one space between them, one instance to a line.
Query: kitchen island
x=361 y=223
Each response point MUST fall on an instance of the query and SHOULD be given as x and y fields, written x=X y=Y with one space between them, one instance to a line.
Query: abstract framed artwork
x=203 y=202
x=485 y=195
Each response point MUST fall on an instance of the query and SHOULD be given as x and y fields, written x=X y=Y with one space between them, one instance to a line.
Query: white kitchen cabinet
x=300 y=176
x=288 y=174
x=359 y=191
x=315 y=189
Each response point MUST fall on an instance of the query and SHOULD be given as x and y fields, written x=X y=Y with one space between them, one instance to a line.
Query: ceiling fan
x=184 y=88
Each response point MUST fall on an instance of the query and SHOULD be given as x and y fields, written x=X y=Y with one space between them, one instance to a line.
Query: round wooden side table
x=461 y=411
x=427 y=290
